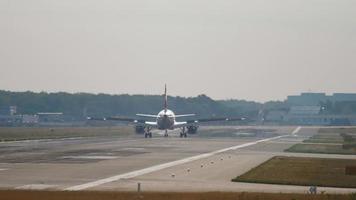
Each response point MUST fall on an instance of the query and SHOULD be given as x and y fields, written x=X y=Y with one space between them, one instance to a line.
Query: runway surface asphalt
x=197 y=163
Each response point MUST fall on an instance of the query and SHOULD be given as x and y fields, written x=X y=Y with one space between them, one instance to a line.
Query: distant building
x=275 y=116
x=313 y=115
x=13 y=110
x=314 y=99
x=304 y=110
x=342 y=97
x=30 y=119
x=304 y=115
x=50 y=117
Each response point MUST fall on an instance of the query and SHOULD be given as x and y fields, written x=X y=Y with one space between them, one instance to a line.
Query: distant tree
x=78 y=105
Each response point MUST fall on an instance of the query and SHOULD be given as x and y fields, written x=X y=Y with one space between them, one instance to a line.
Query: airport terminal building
x=314 y=99
x=309 y=109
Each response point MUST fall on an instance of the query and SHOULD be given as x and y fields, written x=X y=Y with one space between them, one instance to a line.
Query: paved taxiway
x=159 y=164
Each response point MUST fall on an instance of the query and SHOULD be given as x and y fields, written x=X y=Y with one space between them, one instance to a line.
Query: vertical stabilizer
x=165 y=98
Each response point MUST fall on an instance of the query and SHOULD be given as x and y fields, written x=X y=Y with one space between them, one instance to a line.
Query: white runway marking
x=294 y=133
x=59 y=140
x=35 y=187
x=167 y=165
x=3 y=169
x=41 y=140
x=89 y=157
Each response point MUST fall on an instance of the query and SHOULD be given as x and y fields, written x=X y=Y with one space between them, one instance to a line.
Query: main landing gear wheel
x=183 y=133
x=148 y=133
x=166 y=133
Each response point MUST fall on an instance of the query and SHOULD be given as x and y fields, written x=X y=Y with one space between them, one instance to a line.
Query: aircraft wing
x=217 y=119
x=204 y=120
x=125 y=119
x=155 y=116
x=180 y=124
x=185 y=115
x=151 y=124
x=146 y=115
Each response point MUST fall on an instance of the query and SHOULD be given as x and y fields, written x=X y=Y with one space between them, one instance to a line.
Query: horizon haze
x=253 y=50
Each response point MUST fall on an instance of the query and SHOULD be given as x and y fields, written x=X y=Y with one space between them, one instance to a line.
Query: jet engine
x=192 y=129
x=140 y=129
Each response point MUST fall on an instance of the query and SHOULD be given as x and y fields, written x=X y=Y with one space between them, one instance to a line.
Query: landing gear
x=166 y=133
x=183 y=133
x=148 y=133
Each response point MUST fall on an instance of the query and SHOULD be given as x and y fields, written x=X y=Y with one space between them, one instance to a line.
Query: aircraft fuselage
x=165 y=119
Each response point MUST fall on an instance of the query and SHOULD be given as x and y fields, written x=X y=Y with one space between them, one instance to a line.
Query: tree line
x=77 y=106
x=80 y=105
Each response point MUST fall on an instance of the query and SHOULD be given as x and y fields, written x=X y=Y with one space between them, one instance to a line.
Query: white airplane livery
x=165 y=120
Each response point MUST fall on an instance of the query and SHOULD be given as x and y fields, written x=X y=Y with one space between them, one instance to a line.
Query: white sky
x=245 y=49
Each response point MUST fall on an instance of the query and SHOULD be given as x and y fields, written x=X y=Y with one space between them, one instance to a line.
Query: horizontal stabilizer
x=215 y=120
x=122 y=119
x=146 y=115
x=185 y=115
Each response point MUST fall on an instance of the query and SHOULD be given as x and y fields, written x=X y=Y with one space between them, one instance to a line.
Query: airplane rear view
x=165 y=120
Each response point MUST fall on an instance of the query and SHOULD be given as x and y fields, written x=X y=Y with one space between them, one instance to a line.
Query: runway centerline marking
x=167 y=165
x=89 y=157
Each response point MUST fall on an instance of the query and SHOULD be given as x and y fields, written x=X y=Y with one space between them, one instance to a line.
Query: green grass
x=325 y=138
x=302 y=171
x=329 y=141
x=29 y=133
x=321 y=148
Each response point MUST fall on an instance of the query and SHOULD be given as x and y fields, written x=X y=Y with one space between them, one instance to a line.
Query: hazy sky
x=245 y=49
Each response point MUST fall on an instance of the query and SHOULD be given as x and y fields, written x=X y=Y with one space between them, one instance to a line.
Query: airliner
x=165 y=120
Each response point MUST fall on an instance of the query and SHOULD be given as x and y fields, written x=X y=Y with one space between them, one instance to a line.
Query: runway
x=198 y=163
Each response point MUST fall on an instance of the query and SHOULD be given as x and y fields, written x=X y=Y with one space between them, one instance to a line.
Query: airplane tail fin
x=165 y=98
